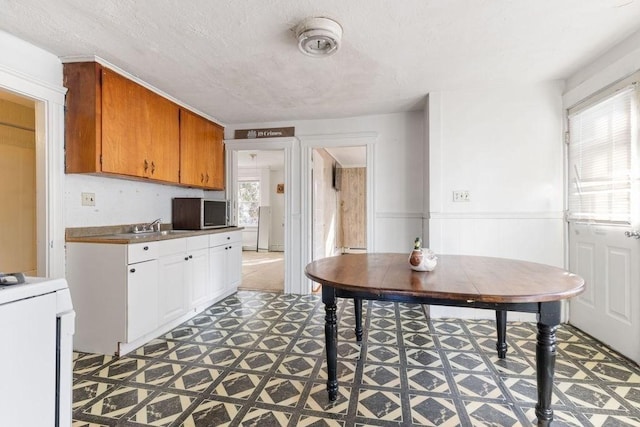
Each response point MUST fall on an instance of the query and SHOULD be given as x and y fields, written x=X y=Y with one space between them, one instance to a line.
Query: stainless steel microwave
x=196 y=213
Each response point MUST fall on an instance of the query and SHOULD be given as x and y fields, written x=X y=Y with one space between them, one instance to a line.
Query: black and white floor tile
x=257 y=359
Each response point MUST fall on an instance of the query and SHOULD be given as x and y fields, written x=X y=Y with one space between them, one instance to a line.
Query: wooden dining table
x=490 y=283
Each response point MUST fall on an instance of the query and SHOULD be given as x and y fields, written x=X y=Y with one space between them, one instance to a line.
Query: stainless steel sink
x=169 y=232
x=135 y=236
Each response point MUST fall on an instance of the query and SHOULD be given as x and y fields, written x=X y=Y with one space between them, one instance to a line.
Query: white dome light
x=318 y=36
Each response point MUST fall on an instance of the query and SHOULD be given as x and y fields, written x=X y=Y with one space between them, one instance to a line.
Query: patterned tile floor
x=257 y=359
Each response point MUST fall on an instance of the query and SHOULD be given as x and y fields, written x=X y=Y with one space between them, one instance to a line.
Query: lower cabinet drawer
x=139 y=252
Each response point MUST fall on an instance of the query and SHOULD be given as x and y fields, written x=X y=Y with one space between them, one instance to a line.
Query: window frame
x=610 y=92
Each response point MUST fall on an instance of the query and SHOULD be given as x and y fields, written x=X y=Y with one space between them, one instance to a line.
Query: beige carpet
x=263 y=271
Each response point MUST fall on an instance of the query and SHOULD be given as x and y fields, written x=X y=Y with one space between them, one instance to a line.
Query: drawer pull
x=186 y=258
x=190 y=256
x=228 y=237
x=133 y=270
x=146 y=248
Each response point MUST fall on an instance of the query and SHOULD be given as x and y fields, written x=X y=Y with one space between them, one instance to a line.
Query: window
x=248 y=203
x=602 y=137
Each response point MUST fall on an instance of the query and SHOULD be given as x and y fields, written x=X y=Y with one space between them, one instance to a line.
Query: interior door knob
x=635 y=234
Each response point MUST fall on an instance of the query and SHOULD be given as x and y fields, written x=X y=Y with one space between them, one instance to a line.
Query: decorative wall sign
x=280 y=188
x=264 y=133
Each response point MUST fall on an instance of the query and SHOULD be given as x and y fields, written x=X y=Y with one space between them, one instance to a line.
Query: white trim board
x=49 y=109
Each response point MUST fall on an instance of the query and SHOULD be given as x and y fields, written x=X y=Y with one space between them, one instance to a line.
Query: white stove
x=37 y=323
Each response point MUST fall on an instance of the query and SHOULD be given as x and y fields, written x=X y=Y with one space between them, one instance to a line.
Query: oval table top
x=455 y=277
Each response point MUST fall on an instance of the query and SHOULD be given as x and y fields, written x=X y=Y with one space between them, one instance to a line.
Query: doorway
x=604 y=195
x=339 y=216
x=18 y=218
x=260 y=206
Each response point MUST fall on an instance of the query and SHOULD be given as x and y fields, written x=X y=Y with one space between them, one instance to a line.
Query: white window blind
x=601 y=138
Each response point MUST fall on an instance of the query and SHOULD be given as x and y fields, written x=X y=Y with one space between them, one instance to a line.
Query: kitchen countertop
x=121 y=234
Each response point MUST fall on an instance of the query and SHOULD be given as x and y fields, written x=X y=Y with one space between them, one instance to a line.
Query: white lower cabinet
x=234 y=264
x=217 y=269
x=125 y=295
x=171 y=287
x=225 y=261
x=142 y=298
x=114 y=305
x=198 y=289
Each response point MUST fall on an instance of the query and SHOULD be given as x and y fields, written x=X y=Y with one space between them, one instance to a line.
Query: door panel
x=609 y=309
x=585 y=262
x=617 y=284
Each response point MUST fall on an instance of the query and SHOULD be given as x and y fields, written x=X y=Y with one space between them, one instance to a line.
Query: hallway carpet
x=257 y=359
x=262 y=271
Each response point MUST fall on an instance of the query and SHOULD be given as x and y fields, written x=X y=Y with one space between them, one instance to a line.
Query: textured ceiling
x=238 y=61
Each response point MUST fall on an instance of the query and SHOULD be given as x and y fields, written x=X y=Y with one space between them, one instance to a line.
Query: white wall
x=18 y=55
x=398 y=169
x=120 y=201
x=37 y=74
x=503 y=145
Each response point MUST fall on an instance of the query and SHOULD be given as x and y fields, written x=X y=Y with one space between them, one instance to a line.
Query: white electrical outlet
x=88 y=199
x=461 y=196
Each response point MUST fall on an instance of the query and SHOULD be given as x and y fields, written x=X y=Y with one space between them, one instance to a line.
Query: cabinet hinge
x=566 y=137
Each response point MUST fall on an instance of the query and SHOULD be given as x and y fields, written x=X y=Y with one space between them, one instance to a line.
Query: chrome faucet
x=146 y=228
x=155 y=225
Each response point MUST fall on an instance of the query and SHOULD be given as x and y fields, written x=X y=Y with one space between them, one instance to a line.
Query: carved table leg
x=501 y=326
x=331 y=340
x=548 y=321
x=357 y=306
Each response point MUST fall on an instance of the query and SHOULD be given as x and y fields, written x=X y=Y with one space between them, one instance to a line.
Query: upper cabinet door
x=163 y=144
x=124 y=131
x=200 y=142
x=218 y=160
x=140 y=130
x=116 y=126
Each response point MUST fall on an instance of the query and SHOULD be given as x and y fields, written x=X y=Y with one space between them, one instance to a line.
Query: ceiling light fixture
x=318 y=37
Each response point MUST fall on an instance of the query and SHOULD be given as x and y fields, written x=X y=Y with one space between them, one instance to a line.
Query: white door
x=609 y=309
x=603 y=196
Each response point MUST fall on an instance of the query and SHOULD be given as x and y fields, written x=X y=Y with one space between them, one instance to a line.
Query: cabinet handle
x=228 y=237
x=186 y=258
x=190 y=256
x=146 y=165
x=201 y=178
x=133 y=270
x=153 y=167
x=207 y=180
x=146 y=248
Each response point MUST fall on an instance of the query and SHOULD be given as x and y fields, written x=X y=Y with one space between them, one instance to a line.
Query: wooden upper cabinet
x=113 y=125
x=201 y=152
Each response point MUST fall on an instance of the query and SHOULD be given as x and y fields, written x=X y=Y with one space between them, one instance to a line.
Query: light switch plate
x=461 y=196
x=88 y=199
